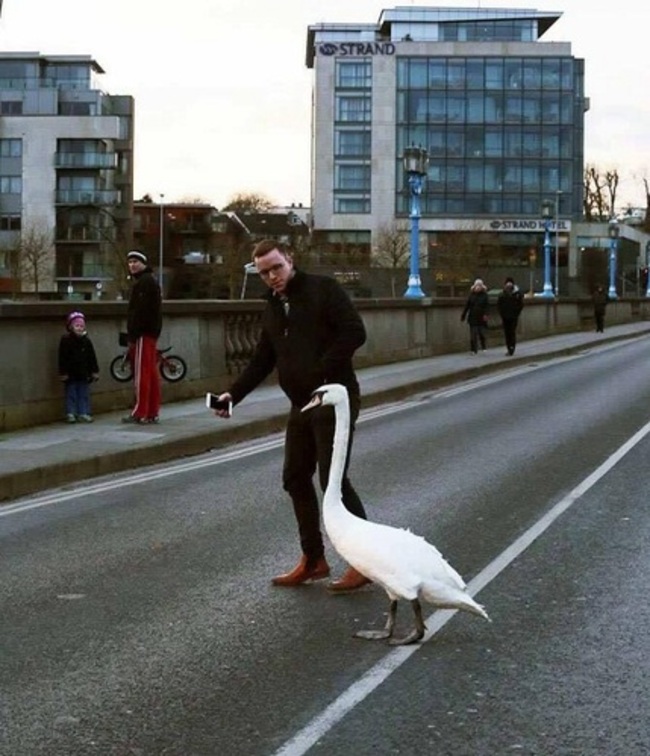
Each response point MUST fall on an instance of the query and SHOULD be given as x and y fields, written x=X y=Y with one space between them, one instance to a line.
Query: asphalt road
x=136 y=613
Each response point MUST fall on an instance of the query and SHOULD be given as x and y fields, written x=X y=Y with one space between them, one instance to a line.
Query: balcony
x=86 y=160
x=86 y=234
x=86 y=197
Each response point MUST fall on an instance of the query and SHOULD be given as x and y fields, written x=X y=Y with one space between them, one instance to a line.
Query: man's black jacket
x=144 y=314
x=310 y=339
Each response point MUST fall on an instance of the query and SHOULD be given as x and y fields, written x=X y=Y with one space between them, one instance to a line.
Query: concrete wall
x=216 y=339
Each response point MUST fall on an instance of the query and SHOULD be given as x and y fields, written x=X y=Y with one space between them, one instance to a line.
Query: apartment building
x=66 y=177
x=499 y=111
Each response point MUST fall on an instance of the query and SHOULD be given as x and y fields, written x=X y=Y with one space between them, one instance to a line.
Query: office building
x=66 y=177
x=500 y=113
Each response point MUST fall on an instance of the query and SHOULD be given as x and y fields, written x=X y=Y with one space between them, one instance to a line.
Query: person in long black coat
x=510 y=304
x=476 y=313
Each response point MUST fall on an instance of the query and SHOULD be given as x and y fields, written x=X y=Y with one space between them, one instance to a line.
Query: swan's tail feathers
x=473 y=608
x=449 y=597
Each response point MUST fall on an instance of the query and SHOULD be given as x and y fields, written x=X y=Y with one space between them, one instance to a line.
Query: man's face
x=135 y=265
x=275 y=270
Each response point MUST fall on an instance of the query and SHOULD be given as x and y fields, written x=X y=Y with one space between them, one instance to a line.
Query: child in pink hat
x=78 y=368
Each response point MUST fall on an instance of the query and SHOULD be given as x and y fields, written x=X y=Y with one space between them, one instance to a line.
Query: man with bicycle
x=143 y=326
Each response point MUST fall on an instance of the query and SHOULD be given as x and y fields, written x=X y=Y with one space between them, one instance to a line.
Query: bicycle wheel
x=172 y=368
x=120 y=368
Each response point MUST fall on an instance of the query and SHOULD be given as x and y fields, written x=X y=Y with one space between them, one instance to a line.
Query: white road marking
x=320 y=725
x=239 y=452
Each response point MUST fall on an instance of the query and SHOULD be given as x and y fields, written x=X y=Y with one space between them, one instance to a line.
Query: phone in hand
x=212 y=402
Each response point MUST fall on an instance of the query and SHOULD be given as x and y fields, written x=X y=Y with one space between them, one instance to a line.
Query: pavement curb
x=43 y=476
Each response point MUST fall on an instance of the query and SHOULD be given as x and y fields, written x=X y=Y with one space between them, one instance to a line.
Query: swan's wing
x=397 y=559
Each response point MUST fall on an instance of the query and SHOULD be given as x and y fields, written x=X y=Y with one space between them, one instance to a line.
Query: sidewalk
x=54 y=455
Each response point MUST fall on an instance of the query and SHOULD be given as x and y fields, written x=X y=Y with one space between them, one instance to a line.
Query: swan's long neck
x=339 y=450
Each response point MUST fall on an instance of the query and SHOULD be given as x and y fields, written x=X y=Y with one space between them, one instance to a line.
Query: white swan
x=402 y=563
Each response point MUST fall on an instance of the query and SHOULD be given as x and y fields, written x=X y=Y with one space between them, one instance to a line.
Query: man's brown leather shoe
x=350 y=580
x=303 y=572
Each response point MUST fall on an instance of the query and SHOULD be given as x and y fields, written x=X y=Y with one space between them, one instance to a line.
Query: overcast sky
x=223 y=95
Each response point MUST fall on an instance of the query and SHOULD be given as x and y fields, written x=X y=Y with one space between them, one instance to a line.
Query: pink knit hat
x=74 y=316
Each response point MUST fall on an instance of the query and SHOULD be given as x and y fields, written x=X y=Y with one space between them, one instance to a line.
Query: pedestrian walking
x=77 y=368
x=510 y=304
x=476 y=313
x=310 y=332
x=143 y=326
x=600 y=300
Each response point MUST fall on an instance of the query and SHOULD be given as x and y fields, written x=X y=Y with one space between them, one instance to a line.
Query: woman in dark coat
x=475 y=311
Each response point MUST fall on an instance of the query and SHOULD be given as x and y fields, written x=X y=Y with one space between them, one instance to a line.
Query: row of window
x=15 y=107
x=482 y=107
x=474 y=204
x=480 y=73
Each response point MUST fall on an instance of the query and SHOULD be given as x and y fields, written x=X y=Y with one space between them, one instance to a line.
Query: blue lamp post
x=613 y=254
x=647 y=265
x=548 y=210
x=415 y=161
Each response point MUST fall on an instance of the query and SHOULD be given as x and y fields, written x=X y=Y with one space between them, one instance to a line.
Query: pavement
x=50 y=456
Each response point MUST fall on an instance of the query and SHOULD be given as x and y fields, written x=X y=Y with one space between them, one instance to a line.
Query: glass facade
x=352 y=136
x=501 y=132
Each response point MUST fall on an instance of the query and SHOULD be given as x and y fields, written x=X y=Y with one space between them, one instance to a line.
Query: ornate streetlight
x=547 y=216
x=558 y=194
x=415 y=161
x=614 y=231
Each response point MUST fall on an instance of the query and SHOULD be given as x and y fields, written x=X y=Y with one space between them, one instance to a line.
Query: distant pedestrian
x=476 y=312
x=510 y=304
x=78 y=368
x=600 y=300
x=143 y=325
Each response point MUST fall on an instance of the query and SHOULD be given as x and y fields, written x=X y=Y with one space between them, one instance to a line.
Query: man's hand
x=225 y=397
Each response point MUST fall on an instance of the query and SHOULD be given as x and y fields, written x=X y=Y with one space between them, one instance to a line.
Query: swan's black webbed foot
x=387 y=632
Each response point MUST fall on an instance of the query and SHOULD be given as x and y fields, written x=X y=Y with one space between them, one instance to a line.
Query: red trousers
x=144 y=356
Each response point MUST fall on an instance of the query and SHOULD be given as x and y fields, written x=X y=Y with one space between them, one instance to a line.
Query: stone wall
x=216 y=339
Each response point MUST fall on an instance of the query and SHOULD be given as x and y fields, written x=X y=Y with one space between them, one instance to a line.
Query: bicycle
x=171 y=367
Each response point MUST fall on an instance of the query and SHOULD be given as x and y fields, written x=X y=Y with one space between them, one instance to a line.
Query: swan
x=402 y=563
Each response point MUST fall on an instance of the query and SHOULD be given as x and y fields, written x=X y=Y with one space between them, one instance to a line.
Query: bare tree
x=392 y=250
x=248 y=202
x=599 y=193
x=34 y=255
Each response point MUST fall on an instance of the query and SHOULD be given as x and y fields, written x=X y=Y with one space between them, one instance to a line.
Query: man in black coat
x=510 y=304
x=310 y=331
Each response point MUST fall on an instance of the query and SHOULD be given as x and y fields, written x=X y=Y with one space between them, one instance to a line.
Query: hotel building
x=500 y=113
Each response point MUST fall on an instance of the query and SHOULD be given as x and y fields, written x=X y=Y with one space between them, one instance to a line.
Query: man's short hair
x=268 y=245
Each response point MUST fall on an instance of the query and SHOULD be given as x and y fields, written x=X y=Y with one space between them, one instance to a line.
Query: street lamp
x=647 y=265
x=161 y=242
x=614 y=231
x=558 y=194
x=415 y=161
x=547 y=215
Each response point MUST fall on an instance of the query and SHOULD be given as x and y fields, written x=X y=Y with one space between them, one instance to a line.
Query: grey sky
x=223 y=95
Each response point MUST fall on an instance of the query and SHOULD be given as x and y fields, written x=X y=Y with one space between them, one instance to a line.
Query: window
x=11 y=185
x=352 y=109
x=11 y=107
x=352 y=177
x=11 y=147
x=75 y=108
x=353 y=74
x=352 y=143
x=345 y=205
x=10 y=223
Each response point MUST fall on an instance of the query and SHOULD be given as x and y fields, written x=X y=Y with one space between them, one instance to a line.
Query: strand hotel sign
x=504 y=224
x=357 y=49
